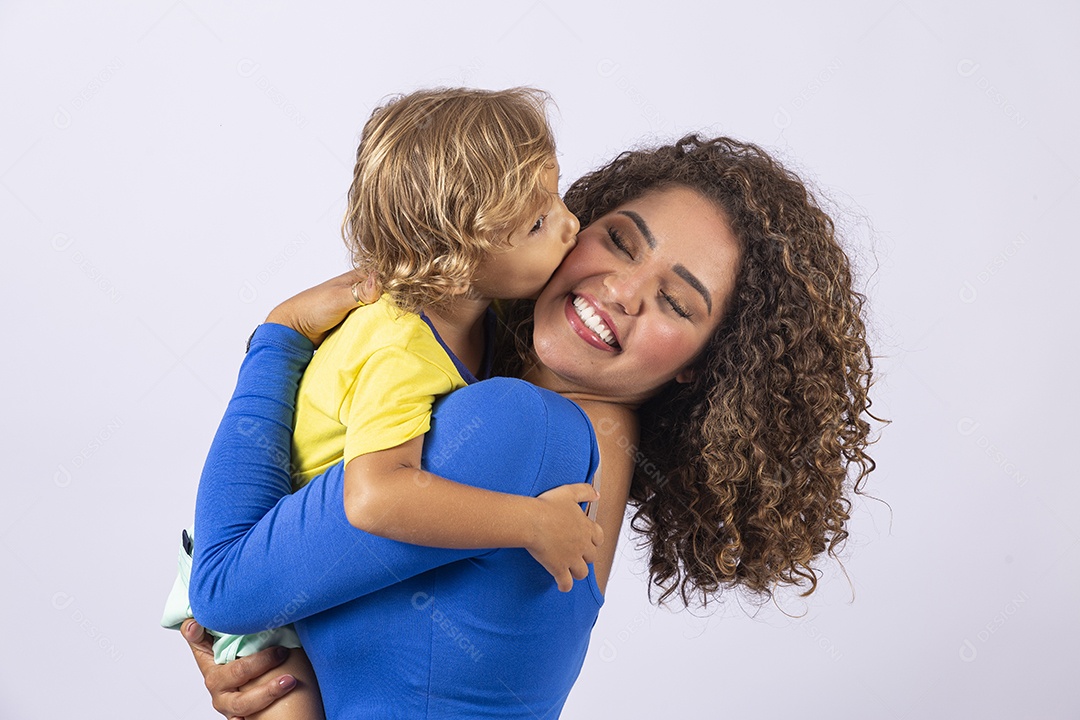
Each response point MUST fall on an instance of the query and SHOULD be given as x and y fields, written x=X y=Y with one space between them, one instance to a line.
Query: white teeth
x=593 y=321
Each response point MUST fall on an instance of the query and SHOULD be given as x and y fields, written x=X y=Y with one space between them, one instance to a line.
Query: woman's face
x=635 y=302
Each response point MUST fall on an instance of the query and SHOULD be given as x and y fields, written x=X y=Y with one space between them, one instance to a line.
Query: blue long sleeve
x=394 y=630
x=260 y=547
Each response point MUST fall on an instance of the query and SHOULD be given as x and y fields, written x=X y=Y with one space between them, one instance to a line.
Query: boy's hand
x=566 y=539
x=318 y=310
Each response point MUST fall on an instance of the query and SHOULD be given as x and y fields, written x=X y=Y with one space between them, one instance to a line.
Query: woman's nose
x=625 y=289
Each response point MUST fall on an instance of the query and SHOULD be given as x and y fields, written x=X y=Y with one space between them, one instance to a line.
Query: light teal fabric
x=226 y=647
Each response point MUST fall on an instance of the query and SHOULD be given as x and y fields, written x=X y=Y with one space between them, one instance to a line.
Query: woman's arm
x=265 y=557
x=224 y=682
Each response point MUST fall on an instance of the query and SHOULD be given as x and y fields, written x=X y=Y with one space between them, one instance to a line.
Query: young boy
x=454 y=202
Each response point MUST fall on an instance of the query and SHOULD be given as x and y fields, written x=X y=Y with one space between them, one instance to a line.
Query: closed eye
x=679 y=309
x=617 y=241
x=538 y=224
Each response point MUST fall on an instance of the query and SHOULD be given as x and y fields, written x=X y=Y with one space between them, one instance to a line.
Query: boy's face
x=522 y=267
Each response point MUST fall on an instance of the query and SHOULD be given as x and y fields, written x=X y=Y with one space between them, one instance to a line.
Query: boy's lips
x=591 y=324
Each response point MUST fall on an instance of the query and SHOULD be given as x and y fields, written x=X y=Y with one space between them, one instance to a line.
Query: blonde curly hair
x=747 y=471
x=442 y=177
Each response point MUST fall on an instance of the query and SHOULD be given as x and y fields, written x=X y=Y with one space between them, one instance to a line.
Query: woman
x=708 y=303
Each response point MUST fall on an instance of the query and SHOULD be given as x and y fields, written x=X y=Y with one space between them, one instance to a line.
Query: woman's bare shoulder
x=616 y=428
x=616 y=436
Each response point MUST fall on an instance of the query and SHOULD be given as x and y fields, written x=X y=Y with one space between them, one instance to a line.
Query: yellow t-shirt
x=369 y=387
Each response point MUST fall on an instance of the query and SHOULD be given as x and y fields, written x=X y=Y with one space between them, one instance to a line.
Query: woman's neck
x=542 y=376
x=460 y=324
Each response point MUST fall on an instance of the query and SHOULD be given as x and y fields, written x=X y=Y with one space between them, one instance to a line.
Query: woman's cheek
x=677 y=346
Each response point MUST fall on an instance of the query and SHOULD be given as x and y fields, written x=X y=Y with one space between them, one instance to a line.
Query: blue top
x=394 y=630
x=490 y=322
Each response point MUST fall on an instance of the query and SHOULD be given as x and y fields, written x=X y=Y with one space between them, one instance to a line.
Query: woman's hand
x=224 y=681
x=318 y=310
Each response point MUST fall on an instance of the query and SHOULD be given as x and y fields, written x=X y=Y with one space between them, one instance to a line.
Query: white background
x=171 y=170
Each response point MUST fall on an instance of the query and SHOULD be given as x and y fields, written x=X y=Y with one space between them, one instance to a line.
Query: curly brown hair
x=746 y=471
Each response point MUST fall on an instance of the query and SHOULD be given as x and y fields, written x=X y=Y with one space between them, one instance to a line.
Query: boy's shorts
x=226 y=647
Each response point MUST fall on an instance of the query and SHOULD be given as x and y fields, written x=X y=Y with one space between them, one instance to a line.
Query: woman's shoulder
x=550 y=414
x=520 y=402
x=531 y=438
x=611 y=419
x=514 y=414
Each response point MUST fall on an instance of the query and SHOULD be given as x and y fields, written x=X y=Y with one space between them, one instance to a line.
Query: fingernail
x=286 y=682
x=280 y=653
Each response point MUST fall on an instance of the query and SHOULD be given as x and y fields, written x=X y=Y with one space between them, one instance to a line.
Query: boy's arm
x=265 y=556
x=388 y=494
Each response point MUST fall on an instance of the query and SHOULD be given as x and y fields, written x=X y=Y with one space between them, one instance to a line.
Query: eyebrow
x=680 y=269
x=641 y=226
x=693 y=282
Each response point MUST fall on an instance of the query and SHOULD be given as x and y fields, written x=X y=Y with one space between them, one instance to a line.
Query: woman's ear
x=685 y=375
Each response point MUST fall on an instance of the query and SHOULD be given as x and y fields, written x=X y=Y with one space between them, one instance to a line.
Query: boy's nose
x=572 y=229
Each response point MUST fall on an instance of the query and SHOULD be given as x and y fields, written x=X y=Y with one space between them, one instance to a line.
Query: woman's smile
x=591 y=323
x=631 y=307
